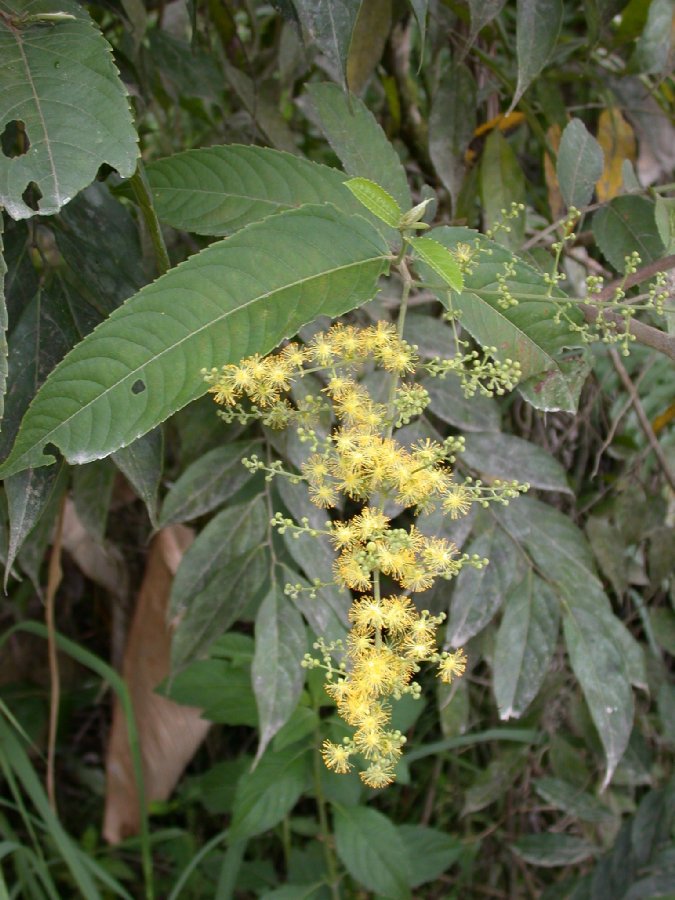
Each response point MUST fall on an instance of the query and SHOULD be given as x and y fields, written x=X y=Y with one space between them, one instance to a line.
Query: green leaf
x=141 y=463
x=35 y=542
x=538 y=25
x=430 y=852
x=664 y=213
x=440 y=259
x=3 y=326
x=359 y=142
x=218 y=190
x=653 y=48
x=553 y=849
x=525 y=332
x=525 y=644
x=29 y=494
x=59 y=81
x=92 y=490
x=509 y=458
x=329 y=25
x=277 y=673
x=217 y=307
x=580 y=164
x=624 y=225
x=452 y=121
x=270 y=792
x=479 y=593
x=663 y=625
x=494 y=780
x=448 y=402
x=601 y=670
x=568 y=798
x=502 y=184
x=218 y=576
x=368 y=40
x=207 y=483
x=420 y=10
x=372 y=851
x=221 y=689
x=482 y=13
x=376 y=200
x=327 y=614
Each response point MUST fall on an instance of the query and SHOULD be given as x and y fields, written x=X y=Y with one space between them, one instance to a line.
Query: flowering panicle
x=360 y=458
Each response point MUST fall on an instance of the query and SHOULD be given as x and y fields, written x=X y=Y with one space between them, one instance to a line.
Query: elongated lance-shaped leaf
x=239 y=296
x=217 y=190
x=61 y=92
x=329 y=25
x=359 y=141
x=537 y=28
x=277 y=671
x=3 y=328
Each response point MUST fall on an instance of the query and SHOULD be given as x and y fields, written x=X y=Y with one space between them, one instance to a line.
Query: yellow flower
x=377 y=775
x=457 y=500
x=336 y=756
x=452 y=665
x=367 y=613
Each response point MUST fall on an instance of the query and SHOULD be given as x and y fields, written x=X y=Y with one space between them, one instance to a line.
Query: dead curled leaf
x=169 y=734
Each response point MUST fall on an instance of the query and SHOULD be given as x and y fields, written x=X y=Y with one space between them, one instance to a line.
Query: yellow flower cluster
x=361 y=460
x=388 y=640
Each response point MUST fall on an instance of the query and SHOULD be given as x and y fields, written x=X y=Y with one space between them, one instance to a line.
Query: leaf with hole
x=240 y=296
x=58 y=81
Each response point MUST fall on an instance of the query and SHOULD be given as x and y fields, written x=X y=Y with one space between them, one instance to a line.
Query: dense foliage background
x=198 y=142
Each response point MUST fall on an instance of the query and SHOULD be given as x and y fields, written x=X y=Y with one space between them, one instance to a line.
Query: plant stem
x=329 y=856
x=143 y=195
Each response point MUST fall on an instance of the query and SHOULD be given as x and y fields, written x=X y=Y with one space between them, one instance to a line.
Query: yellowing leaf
x=617 y=140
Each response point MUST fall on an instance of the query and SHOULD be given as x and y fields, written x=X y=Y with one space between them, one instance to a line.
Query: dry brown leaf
x=102 y=563
x=555 y=198
x=617 y=140
x=169 y=734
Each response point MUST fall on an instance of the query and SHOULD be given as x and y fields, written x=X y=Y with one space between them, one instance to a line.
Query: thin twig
x=54 y=575
x=645 y=424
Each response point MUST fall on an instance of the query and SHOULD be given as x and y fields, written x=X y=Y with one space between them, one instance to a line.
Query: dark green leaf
x=448 y=402
x=420 y=8
x=29 y=495
x=502 y=184
x=525 y=332
x=59 y=79
x=141 y=463
x=221 y=689
x=580 y=162
x=329 y=25
x=111 y=388
x=368 y=40
x=553 y=849
x=99 y=240
x=624 y=225
x=664 y=212
x=653 y=49
x=21 y=279
x=510 y=458
x=494 y=781
x=3 y=325
x=525 y=644
x=482 y=13
x=601 y=670
x=92 y=490
x=278 y=677
x=609 y=551
x=359 y=142
x=372 y=851
x=207 y=483
x=430 y=852
x=267 y=794
x=568 y=798
x=537 y=28
x=32 y=553
x=218 y=190
x=218 y=576
x=663 y=625
x=479 y=593
x=452 y=121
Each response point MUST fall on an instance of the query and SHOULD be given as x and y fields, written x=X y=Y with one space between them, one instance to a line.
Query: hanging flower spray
x=360 y=465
